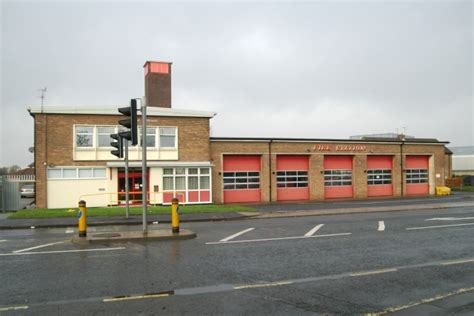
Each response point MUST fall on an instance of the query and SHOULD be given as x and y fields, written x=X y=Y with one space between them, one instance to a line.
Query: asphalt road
x=406 y=262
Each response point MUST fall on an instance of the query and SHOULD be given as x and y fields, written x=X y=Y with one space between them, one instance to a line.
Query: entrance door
x=134 y=186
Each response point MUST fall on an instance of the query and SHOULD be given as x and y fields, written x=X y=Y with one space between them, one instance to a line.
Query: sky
x=322 y=69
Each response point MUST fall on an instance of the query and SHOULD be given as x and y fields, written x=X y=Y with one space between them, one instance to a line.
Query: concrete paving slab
x=153 y=235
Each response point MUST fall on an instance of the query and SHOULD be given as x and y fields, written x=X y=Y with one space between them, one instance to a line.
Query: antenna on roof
x=43 y=91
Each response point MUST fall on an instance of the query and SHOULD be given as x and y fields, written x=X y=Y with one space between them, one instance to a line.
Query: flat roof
x=112 y=110
x=326 y=140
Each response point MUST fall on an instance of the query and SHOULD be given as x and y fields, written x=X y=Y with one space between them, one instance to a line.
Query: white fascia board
x=116 y=164
x=98 y=110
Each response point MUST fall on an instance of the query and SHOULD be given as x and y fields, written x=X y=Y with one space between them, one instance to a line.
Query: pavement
x=269 y=210
x=133 y=236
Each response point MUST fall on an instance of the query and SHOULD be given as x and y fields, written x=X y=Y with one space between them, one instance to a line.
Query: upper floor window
x=168 y=137
x=103 y=135
x=84 y=136
x=150 y=136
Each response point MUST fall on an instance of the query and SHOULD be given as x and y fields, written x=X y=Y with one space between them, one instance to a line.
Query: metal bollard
x=174 y=216
x=82 y=219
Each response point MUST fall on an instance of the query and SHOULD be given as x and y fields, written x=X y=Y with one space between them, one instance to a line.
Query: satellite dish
x=31 y=149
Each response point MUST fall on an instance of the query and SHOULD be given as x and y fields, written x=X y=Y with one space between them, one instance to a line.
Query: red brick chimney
x=158 y=83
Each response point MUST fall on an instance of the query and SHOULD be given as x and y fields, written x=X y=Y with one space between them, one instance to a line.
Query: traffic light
x=118 y=144
x=130 y=122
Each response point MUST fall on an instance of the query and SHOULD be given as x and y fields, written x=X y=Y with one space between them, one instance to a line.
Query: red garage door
x=337 y=177
x=292 y=178
x=379 y=176
x=241 y=179
x=417 y=175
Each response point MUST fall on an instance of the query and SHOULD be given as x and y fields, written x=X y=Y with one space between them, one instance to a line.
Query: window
x=417 y=175
x=150 y=136
x=103 y=135
x=168 y=137
x=84 y=136
x=176 y=179
x=77 y=173
x=241 y=180
x=292 y=179
x=337 y=177
x=379 y=176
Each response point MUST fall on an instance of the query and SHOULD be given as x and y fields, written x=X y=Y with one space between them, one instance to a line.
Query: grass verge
x=465 y=188
x=120 y=211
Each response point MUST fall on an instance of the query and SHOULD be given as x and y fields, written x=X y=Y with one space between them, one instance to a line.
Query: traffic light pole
x=127 y=201
x=144 y=170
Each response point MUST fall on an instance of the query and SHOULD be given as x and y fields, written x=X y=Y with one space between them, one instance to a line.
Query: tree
x=9 y=170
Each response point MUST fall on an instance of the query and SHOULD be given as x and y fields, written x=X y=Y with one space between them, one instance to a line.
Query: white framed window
x=186 y=179
x=292 y=179
x=417 y=175
x=76 y=173
x=379 y=176
x=337 y=178
x=84 y=136
x=167 y=137
x=241 y=180
x=150 y=136
x=103 y=135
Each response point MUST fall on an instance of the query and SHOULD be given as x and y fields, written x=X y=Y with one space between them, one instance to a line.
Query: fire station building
x=73 y=159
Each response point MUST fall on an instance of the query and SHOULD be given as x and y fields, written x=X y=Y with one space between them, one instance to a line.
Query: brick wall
x=54 y=141
x=316 y=164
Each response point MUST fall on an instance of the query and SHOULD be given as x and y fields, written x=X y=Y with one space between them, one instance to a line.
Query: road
x=402 y=262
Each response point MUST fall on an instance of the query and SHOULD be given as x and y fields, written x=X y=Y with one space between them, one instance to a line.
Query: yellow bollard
x=174 y=215
x=82 y=219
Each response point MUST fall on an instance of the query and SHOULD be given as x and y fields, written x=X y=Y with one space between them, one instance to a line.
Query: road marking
x=381 y=226
x=60 y=251
x=69 y=231
x=40 y=246
x=254 y=286
x=237 y=234
x=457 y=262
x=314 y=230
x=448 y=218
x=3 y=240
x=134 y=297
x=422 y=301
x=373 y=272
x=13 y=308
x=271 y=239
x=440 y=226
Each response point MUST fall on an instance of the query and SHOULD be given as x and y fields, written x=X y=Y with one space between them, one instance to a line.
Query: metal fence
x=9 y=195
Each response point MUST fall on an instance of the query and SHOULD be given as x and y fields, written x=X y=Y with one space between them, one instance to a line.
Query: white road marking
x=314 y=230
x=3 y=240
x=271 y=239
x=373 y=272
x=448 y=218
x=69 y=231
x=134 y=297
x=440 y=226
x=447 y=263
x=59 y=251
x=13 y=308
x=237 y=234
x=253 y=286
x=381 y=226
x=40 y=246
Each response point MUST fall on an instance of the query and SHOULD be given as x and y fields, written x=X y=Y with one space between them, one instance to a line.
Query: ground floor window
x=241 y=180
x=379 y=176
x=187 y=184
x=417 y=175
x=292 y=179
x=337 y=177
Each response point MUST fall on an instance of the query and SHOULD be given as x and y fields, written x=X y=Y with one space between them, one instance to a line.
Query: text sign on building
x=343 y=148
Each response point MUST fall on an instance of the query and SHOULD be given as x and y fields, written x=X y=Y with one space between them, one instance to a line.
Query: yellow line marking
x=447 y=263
x=136 y=297
x=373 y=272
x=13 y=308
x=423 y=301
x=253 y=286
